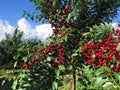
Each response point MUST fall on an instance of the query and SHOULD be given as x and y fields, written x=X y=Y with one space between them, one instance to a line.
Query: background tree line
x=10 y=44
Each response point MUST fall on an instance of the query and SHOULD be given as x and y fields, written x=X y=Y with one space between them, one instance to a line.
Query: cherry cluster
x=58 y=16
x=106 y=53
x=55 y=51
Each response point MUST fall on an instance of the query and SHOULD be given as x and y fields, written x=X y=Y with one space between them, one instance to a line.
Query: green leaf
x=21 y=48
x=48 y=58
x=16 y=57
x=74 y=54
x=54 y=3
x=118 y=47
x=99 y=40
x=66 y=37
x=107 y=85
x=49 y=65
x=68 y=18
x=117 y=76
x=93 y=57
x=14 y=85
x=62 y=67
x=25 y=59
x=57 y=72
x=3 y=82
x=27 y=85
x=100 y=81
x=86 y=34
x=79 y=50
x=70 y=68
x=54 y=85
x=15 y=64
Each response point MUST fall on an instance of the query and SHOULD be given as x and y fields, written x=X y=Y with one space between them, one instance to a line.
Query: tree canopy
x=79 y=45
x=81 y=12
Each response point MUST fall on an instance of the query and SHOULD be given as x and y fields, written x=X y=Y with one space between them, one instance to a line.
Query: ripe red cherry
x=26 y=67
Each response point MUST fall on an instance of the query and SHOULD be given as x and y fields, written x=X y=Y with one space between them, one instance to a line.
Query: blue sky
x=11 y=12
x=117 y=19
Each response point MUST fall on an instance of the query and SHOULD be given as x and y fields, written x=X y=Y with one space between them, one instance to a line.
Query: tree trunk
x=74 y=80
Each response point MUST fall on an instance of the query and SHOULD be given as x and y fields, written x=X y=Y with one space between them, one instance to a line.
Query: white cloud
x=5 y=27
x=40 y=31
x=25 y=26
x=115 y=26
x=43 y=31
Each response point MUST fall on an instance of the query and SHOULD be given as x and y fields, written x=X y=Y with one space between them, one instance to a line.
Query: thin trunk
x=74 y=80
x=74 y=77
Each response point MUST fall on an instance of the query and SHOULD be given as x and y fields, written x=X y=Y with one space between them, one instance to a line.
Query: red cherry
x=26 y=67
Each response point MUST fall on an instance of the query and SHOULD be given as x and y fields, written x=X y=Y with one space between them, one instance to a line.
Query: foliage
x=74 y=23
x=49 y=63
x=99 y=79
x=98 y=33
x=9 y=46
x=91 y=78
x=12 y=45
x=82 y=12
x=21 y=78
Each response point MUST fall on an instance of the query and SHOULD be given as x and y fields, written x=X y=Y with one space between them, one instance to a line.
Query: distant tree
x=32 y=42
x=9 y=46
